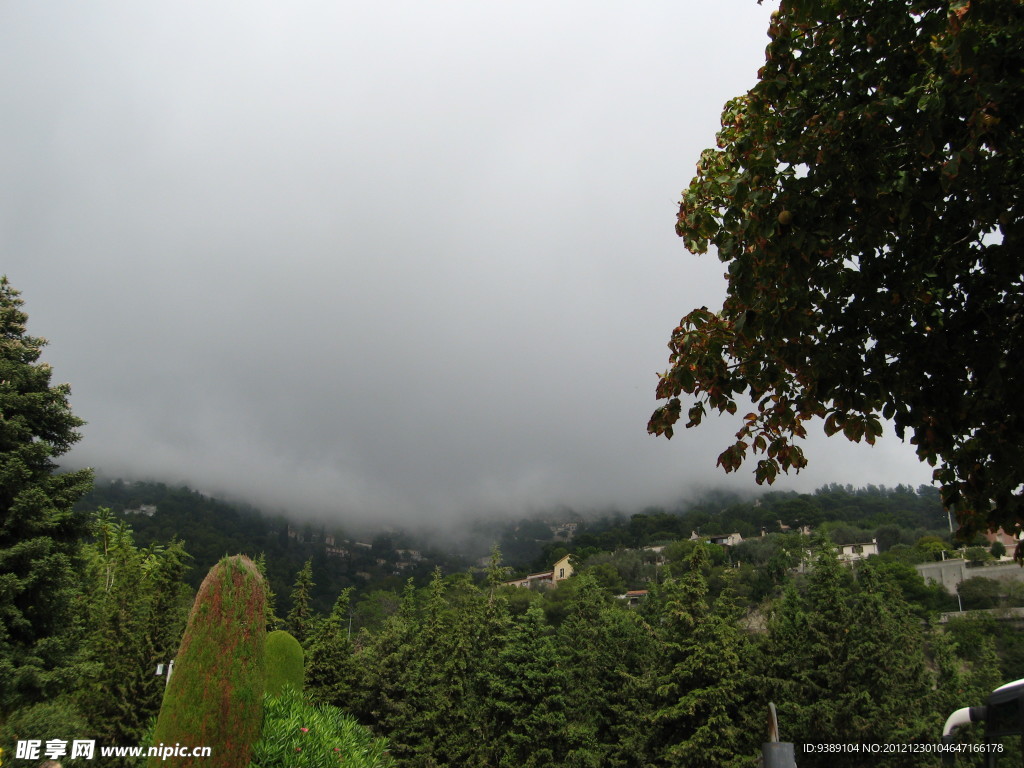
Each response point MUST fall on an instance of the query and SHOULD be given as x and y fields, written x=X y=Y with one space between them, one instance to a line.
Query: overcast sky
x=390 y=258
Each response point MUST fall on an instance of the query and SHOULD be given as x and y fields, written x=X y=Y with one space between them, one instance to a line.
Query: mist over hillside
x=384 y=557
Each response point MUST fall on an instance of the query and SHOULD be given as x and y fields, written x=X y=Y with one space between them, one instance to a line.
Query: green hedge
x=285 y=662
x=214 y=697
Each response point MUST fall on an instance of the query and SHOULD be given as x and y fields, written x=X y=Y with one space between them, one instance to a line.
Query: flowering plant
x=299 y=734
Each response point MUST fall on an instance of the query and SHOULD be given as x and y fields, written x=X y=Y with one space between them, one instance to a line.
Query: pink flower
x=304 y=730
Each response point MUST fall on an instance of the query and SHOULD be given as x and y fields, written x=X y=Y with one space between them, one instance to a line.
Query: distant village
x=948 y=572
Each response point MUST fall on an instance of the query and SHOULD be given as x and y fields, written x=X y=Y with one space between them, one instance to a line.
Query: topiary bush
x=285 y=662
x=298 y=734
x=214 y=697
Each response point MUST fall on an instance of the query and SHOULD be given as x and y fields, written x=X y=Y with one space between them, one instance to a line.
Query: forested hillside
x=210 y=528
x=458 y=669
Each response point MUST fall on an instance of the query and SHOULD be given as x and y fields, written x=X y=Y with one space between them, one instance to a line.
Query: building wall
x=562 y=569
x=950 y=573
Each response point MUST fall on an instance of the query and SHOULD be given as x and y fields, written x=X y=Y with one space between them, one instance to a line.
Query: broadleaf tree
x=137 y=603
x=866 y=196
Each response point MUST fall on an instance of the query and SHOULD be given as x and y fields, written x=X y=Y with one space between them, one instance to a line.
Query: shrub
x=298 y=734
x=977 y=556
x=214 y=697
x=55 y=719
x=284 y=662
x=979 y=592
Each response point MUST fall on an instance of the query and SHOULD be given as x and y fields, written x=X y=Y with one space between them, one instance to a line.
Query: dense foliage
x=866 y=196
x=137 y=605
x=466 y=671
x=297 y=734
x=215 y=694
x=463 y=674
x=284 y=663
x=39 y=530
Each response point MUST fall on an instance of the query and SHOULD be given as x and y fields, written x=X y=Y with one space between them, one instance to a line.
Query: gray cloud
x=379 y=259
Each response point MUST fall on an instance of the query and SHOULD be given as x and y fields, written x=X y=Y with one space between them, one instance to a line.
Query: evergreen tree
x=426 y=675
x=966 y=663
x=449 y=662
x=804 y=652
x=285 y=662
x=527 y=698
x=885 y=702
x=441 y=673
x=845 y=663
x=300 y=617
x=39 y=531
x=330 y=669
x=300 y=734
x=606 y=652
x=387 y=694
x=702 y=677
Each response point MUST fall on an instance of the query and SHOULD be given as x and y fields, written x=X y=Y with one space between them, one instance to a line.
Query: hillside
x=384 y=560
x=211 y=528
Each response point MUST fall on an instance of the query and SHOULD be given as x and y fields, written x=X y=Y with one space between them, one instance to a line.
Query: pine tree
x=804 y=652
x=330 y=668
x=966 y=664
x=300 y=617
x=387 y=694
x=845 y=662
x=605 y=651
x=527 y=699
x=702 y=678
x=425 y=675
x=441 y=677
x=884 y=628
x=447 y=722
x=39 y=530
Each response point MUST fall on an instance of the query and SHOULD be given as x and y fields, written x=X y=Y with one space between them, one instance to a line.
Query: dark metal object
x=1003 y=715
x=775 y=753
